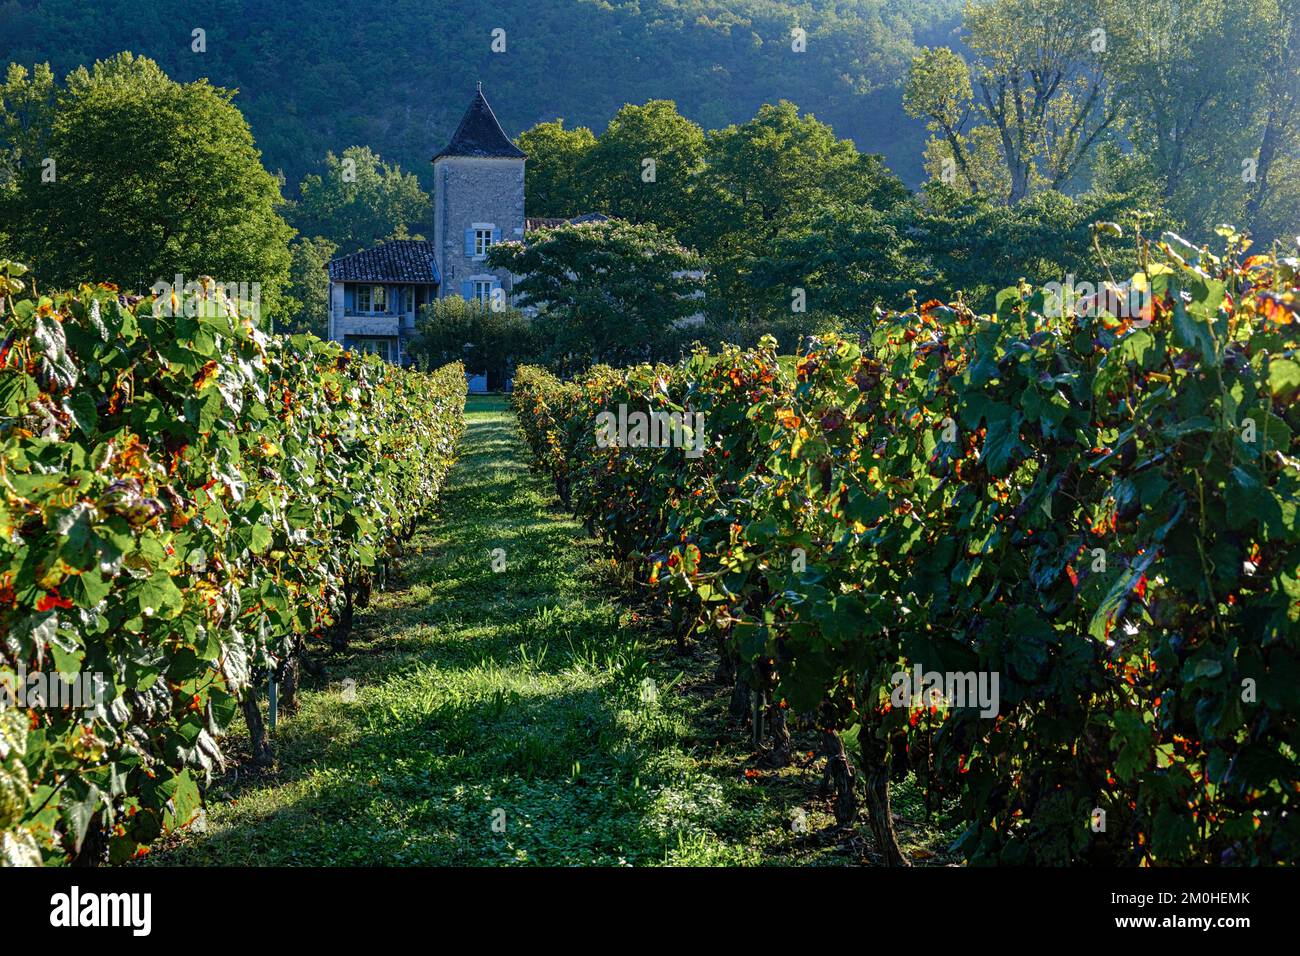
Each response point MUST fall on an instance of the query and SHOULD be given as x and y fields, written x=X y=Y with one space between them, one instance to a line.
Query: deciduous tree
x=307 y=299
x=608 y=291
x=553 y=180
x=149 y=179
x=359 y=200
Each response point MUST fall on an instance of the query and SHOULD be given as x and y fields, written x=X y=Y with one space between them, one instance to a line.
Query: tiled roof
x=399 y=260
x=479 y=134
x=541 y=222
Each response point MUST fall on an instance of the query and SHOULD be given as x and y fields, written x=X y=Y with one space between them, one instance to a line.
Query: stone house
x=478 y=199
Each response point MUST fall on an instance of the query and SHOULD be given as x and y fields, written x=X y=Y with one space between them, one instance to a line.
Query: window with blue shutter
x=469 y=242
x=483 y=238
x=467 y=290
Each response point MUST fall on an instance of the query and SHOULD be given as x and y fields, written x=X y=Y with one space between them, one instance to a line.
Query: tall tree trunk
x=1019 y=183
x=1267 y=150
x=959 y=158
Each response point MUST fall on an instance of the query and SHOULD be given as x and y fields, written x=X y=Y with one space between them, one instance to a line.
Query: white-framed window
x=483 y=290
x=482 y=242
x=371 y=299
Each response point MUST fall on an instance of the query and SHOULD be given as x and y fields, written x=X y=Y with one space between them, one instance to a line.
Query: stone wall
x=472 y=193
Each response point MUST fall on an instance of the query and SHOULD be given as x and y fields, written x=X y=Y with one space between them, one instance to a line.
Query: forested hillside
x=396 y=74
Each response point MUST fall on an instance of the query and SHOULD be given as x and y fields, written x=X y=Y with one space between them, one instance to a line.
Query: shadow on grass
x=499 y=714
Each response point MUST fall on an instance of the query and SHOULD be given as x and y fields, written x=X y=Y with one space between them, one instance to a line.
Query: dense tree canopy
x=1045 y=116
x=607 y=291
x=307 y=298
x=359 y=200
x=643 y=167
x=1146 y=100
x=123 y=175
x=763 y=184
x=489 y=340
x=397 y=75
x=800 y=232
x=554 y=181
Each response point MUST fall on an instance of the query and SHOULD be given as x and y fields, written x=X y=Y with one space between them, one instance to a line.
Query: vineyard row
x=186 y=501
x=1097 y=513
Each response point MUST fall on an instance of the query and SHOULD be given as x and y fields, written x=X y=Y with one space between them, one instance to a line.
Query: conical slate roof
x=479 y=134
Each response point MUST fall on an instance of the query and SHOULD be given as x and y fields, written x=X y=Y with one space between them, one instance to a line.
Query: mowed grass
x=516 y=716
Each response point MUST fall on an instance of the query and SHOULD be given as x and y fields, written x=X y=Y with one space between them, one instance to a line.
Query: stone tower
x=478 y=196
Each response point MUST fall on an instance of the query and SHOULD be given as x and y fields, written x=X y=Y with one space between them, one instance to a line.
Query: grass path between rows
x=501 y=717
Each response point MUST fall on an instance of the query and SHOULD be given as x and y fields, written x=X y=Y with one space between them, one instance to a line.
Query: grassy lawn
x=500 y=717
